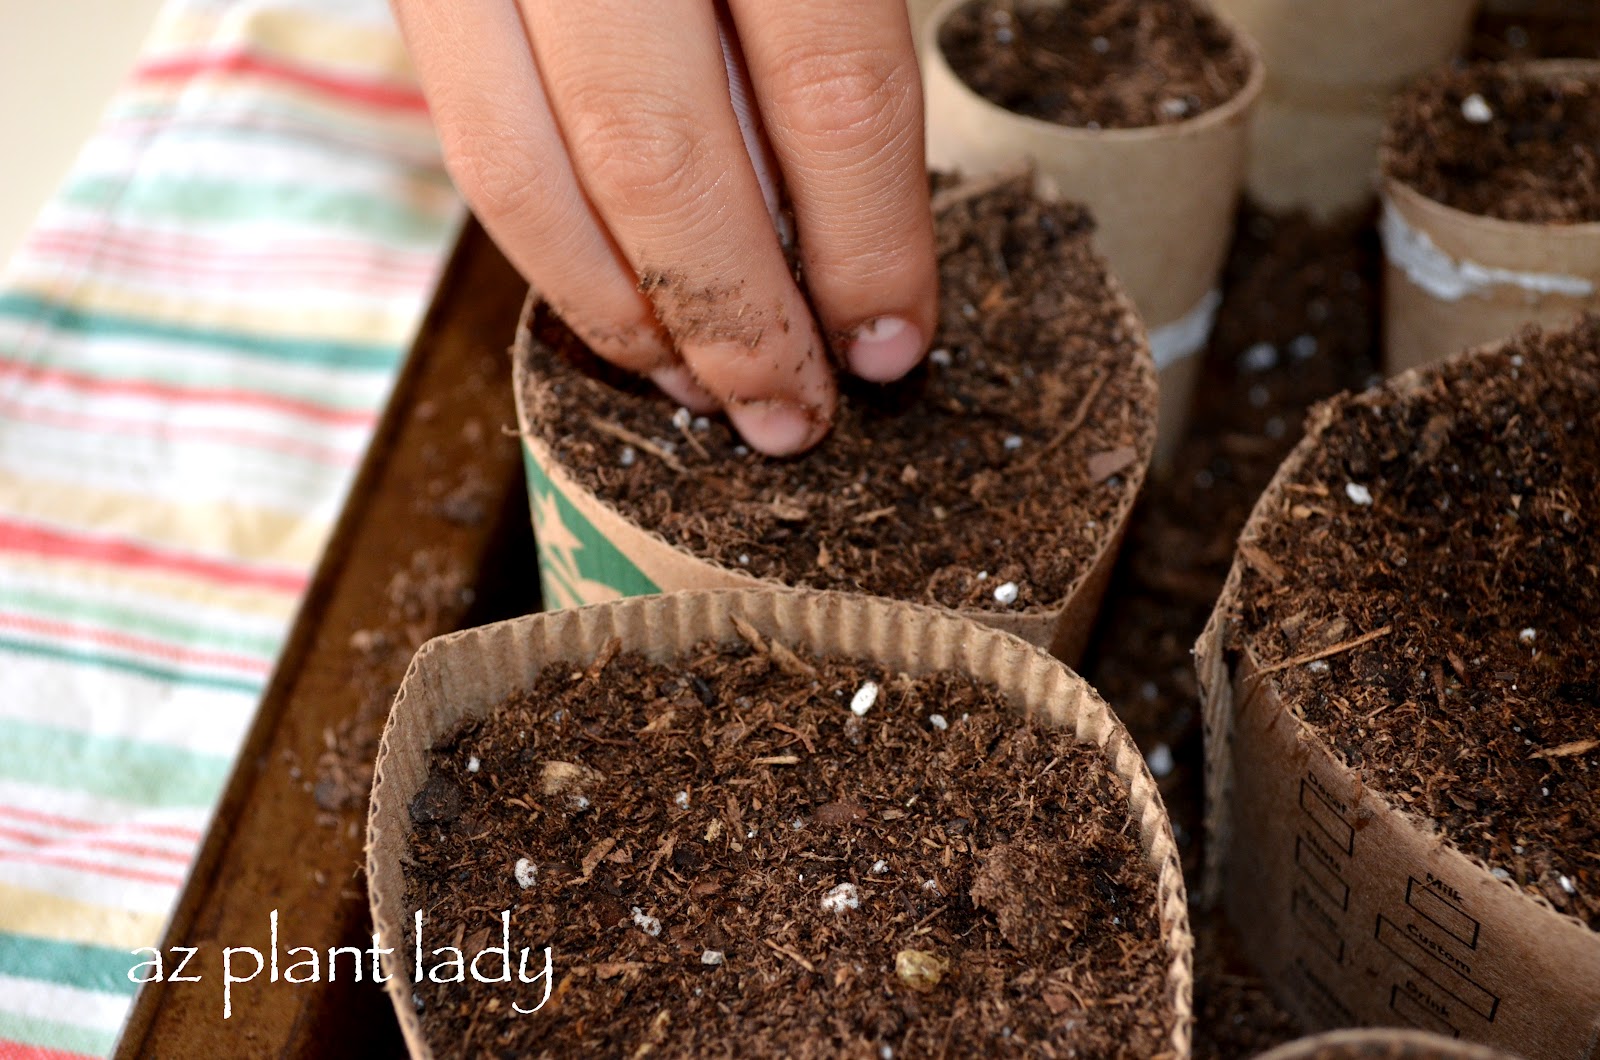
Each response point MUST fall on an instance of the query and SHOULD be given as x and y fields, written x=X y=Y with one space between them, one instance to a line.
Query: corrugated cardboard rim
x=468 y=674
x=1427 y=1046
x=1417 y=325
x=1218 y=680
x=1063 y=628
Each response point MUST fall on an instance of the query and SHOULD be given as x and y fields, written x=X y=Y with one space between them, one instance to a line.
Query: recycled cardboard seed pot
x=1163 y=197
x=619 y=515
x=1582 y=9
x=1332 y=66
x=1402 y=761
x=1382 y=1045
x=469 y=674
x=919 y=11
x=1455 y=279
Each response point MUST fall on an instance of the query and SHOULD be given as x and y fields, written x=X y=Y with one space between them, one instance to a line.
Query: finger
x=743 y=98
x=641 y=97
x=507 y=158
x=841 y=100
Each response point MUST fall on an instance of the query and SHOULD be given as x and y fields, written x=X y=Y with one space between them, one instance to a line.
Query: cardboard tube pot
x=593 y=548
x=1382 y=1045
x=919 y=11
x=1349 y=889
x=469 y=674
x=1454 y=280
x=1578 y=9
x=1332 y=66
x=1163 y=197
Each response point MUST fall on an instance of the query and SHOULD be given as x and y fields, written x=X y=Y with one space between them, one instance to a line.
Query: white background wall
x=59 y=62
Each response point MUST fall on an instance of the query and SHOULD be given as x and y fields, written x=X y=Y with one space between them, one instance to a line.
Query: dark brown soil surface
x=1235 y=1015
x=1286 y=282
x=1491 y=141
x=1563 y=31
x=1096 y=64
x=1298 y=323
x=433 y=586
x=1008 y=457
x=1454 y=520
x=435 y=594
x=726 y=797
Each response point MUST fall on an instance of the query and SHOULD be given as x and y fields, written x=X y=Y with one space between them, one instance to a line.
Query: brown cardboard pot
x=1163 y=197
x=1332 y=66
x=1354 y=909
x=1382 y=1045
x=1581 y=9
x=1454 y=280
x=919 y=11
x=470 y=673
x=622 y=558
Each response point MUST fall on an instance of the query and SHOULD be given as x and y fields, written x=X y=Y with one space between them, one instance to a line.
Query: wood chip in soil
x=1460 y=512
x=961 y=478
x=1004 y=906
x=1495 y=141
x=1096 y=64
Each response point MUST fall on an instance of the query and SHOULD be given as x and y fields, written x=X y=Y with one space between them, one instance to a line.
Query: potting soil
x=752 y=853
x=988 y=479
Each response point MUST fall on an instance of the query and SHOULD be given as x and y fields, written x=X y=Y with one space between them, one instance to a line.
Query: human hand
x=600 y=146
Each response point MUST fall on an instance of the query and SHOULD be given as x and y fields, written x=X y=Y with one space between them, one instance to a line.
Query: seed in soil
x=844 y=896
x=920 y=970
x=1475 y=110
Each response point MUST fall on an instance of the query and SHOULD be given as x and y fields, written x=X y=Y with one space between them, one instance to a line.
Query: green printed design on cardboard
x=577 y=565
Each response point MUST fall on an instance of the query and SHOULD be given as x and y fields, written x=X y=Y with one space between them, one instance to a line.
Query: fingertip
x=678 y=383
x=780 y=394
x=885 y=349
x=776 y=428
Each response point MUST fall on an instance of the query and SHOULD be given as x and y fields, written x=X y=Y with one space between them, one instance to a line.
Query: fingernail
x=885 y=349
x=773 y=428
x=676 y=382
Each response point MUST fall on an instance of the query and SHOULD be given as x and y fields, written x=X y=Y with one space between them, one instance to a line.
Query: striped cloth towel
x=195 y=344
